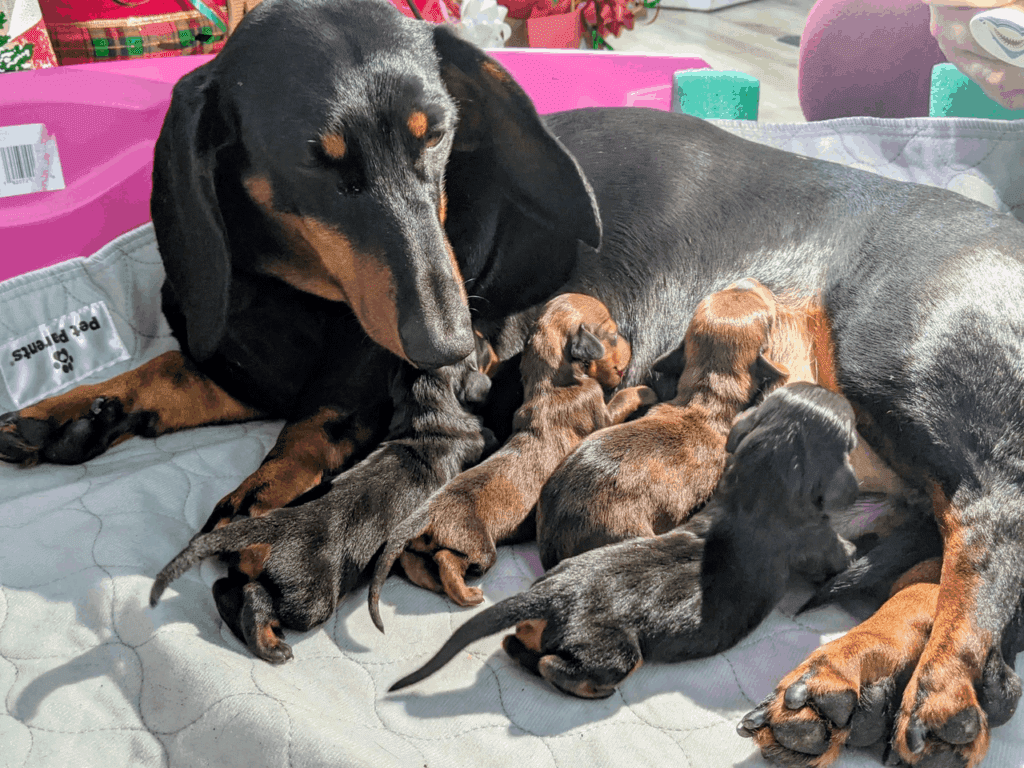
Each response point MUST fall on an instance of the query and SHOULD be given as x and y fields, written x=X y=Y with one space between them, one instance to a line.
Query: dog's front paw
x=88 y=432
x=848 y=691
x=819 y=709
x=22 y=439
x=947 y=714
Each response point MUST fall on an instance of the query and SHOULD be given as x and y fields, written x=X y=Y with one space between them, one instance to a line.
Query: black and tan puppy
x=573 y=357
x=693 y=592
x=289 y=569
x=647 y=476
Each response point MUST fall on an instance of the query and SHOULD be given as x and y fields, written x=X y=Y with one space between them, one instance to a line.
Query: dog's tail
x=532 y=604
x=230 y=538
x=407 y=530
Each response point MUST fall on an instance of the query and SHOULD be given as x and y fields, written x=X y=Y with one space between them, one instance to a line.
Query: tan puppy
x=646 y=477
x=574 y=355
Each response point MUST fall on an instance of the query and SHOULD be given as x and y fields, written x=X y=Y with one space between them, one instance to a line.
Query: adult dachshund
x=388 y=182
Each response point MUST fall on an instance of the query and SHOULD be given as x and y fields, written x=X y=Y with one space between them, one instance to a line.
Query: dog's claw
x=796 y=695
x=916 y=732
x=277 y=654
x=837 y=706
x=872 y=720
x=752 y=721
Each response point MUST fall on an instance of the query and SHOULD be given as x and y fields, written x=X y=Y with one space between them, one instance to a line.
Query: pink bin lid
x=105 y=119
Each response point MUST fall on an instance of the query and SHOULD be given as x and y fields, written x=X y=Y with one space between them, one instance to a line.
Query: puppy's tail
x=532 y=604
x=230 y=538
x=407 y=530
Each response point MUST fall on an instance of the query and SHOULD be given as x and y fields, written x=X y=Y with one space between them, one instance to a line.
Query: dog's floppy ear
x=671 y=364
x=496 y=116
x=769 y=374
x=742 y=427
x=585 y=346
x=839 y=490
x=186 y=215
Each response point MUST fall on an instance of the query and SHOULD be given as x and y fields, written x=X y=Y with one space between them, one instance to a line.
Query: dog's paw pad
x=962 y=728
x=808 y=737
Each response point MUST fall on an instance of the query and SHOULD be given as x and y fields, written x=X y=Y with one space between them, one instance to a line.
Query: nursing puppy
x=696 y=591
x=288 y=569
x=573 y=357
x=647 y=476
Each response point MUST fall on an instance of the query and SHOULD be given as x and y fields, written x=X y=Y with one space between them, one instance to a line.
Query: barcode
x=19 y=163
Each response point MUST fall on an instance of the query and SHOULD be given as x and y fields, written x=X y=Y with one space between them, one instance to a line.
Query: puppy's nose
x=426 y=348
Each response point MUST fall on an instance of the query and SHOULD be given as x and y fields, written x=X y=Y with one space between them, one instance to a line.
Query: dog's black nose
x=433 y=348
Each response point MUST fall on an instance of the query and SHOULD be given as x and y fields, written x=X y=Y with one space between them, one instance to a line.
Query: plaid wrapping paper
x=178 y=33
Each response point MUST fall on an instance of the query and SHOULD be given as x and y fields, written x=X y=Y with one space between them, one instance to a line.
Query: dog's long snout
x=432 y=345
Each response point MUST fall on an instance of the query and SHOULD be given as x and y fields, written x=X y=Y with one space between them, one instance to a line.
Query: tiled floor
x=744 y=37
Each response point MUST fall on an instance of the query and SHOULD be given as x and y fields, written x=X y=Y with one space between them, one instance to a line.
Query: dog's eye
x=433 y=138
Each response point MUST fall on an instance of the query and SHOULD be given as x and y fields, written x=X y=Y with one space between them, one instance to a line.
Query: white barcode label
x=19 y=163
x=28 y=160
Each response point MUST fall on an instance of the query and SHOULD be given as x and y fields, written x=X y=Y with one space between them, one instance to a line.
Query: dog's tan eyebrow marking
x=495 y=71
x=418 y=123
x=334 y=145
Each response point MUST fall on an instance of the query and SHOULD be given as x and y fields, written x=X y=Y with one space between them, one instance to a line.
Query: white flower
x=483 y=23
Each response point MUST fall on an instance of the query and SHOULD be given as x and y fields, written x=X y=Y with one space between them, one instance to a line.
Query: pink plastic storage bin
x=106 y=117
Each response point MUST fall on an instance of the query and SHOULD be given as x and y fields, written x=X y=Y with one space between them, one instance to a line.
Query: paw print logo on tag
x=64 y=361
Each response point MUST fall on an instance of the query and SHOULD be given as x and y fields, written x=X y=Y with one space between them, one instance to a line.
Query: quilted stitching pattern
x=91 y=676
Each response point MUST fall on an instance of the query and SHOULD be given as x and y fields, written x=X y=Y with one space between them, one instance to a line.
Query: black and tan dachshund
x=390 y=181
x=289 y=569
x=590 y=622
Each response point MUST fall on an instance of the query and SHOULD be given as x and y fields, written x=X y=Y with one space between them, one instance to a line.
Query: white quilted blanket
x=91 y=676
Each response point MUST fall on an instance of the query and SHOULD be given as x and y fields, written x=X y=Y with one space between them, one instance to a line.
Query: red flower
x=615 y=15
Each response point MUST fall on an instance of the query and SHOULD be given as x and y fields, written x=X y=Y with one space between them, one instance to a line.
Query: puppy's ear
x=839 y=490
x=746 y=422
x=768 y=374
x=496 y=115
x=585 y=346
x=186 y=213
x=671 y=364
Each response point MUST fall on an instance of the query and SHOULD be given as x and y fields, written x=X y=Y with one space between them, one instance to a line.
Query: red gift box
x=107 y=30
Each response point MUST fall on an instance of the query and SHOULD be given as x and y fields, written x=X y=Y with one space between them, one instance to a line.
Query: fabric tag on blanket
x=60 y=352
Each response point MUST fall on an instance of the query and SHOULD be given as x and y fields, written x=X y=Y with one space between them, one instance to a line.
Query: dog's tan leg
x=624 y=403
x=417 y=571
x=306 y=452
x=166 y=394
x=452 y=570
